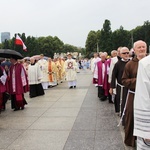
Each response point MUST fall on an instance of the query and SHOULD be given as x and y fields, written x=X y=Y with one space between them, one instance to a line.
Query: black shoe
x=70 y=87
x=16 y=109
x=110 y=101
x=103 y=98
x=74 y=86
x=22 y=108
x=32 y=96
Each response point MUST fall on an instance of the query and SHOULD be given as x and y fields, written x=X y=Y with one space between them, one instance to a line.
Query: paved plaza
x=62 y=119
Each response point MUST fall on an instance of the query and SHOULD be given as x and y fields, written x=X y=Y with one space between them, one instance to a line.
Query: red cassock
x=17 y=78
x=2 y=88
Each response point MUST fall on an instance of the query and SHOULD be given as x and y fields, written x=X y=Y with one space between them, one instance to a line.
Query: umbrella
x=8 y=53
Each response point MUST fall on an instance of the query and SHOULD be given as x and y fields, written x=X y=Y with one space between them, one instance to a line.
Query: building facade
x=5 y=36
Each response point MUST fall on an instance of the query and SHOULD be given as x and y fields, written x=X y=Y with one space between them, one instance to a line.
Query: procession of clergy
x=125 y=81
x=115 y=79
x=20 y=76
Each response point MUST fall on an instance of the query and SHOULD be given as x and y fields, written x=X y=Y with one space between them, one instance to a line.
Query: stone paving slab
x=53 y=123
x=28 y=112
x=62 y=112
x=8 y=136
x=40 y=140
x=18 y=122
x=80 y=140
x=74 y=104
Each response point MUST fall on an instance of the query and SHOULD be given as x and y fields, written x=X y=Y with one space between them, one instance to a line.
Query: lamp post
x=97 y=48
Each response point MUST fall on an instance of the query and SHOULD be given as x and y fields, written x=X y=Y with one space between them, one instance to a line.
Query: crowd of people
x=120 y=78
x=34 y=76
x=116 y=79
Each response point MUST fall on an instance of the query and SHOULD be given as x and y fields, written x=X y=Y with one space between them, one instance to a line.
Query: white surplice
x=142 y=101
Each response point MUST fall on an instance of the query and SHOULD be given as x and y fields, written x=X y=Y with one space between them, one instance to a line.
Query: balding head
x=139 y=42
x=140 y=49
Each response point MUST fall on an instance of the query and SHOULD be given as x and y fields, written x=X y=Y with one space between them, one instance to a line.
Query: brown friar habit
x=117 y=75
x=129 y=81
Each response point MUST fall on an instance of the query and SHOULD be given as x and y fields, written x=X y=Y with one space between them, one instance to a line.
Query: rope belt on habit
x=121 y=94
x=133 y=92
x=120 y=85
x=129 y=91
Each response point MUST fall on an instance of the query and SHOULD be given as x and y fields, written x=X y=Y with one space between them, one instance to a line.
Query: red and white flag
x=18 y=41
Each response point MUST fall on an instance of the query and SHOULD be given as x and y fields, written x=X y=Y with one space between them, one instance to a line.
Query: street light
x=97 y=48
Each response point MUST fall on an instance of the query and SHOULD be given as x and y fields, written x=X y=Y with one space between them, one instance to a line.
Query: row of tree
x=106 y=40
x=101 y=40
x=45 y=45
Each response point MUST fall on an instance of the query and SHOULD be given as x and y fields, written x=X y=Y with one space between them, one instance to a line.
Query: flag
x=18 y=41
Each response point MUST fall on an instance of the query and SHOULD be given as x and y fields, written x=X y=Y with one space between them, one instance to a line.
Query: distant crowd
x=36 y=74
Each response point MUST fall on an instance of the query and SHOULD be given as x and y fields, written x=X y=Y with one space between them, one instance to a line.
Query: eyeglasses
x=125 y=53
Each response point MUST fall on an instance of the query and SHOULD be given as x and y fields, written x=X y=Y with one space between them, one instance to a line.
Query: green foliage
x=91 y=42
x=105 y=37
x=1 y=45
x=108 y=40
x=45 y=45
x=142 y=33
x=121 y=37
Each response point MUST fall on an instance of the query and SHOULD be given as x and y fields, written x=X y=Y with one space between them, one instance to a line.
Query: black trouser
x=100 y=92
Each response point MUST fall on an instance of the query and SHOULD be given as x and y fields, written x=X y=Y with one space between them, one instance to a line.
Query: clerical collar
x=124 y=60
x=33 y=64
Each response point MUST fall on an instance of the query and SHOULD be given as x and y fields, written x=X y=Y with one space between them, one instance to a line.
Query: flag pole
x=14 y=41
x=97 y=48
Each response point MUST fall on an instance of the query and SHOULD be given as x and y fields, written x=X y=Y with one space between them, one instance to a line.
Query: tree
x=69 y=48
x=91 y=42
x=121 y=37
x=32 y=46
x=108 y=40
x=1 y=45
x=6 y=44
x=105 y=37
x=58 y=45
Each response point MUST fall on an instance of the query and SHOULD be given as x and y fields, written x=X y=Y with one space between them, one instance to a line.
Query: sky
x=70 y=20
